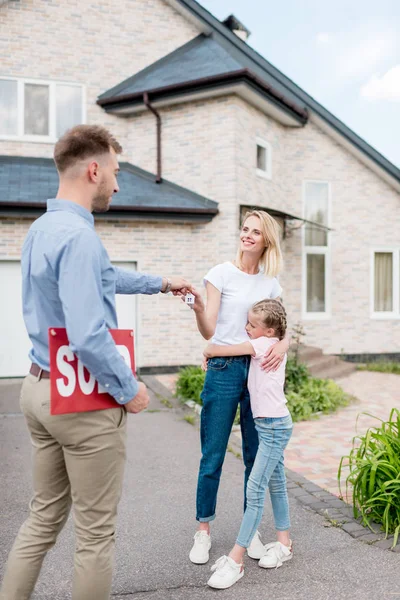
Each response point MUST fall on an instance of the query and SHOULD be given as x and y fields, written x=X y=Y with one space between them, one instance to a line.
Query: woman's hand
x=274 y=356
x=208 y=351
x=198 y=305
x=204 y=364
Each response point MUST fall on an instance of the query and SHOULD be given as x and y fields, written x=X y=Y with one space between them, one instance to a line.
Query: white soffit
x=241 y=90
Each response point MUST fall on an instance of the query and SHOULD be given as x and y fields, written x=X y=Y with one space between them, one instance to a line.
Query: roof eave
x=110 y=104
x=117 y=213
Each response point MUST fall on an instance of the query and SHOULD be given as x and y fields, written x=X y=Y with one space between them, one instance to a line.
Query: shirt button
x=107 y=385
x=121 y=399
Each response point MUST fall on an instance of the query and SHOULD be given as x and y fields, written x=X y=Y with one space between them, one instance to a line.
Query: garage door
x=14 y=341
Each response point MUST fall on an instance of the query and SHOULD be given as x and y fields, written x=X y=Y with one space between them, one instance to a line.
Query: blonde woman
x=232 y=288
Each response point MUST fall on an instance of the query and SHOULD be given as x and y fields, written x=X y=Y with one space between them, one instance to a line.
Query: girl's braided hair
x=273 y=315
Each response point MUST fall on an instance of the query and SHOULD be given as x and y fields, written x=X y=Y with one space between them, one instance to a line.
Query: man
x=68 y=281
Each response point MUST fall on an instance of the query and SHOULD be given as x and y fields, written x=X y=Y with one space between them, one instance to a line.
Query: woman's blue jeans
x=268 y=471
x=224 y=388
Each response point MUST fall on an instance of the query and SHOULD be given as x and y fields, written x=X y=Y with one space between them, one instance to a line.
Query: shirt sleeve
x=216 y=277
x=132 y=282
x=276 y=290
x=260 y=346
x=78 y=272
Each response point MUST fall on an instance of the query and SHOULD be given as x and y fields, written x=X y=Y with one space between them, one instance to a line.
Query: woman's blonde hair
x=273 y=316
x=271 y=259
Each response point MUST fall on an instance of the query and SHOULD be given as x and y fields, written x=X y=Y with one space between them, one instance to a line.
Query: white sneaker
x=199 y=554
x=256 y=549
x=276 y=554
x=226 y=573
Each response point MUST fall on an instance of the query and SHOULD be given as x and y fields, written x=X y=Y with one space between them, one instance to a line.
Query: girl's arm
x=206 y=316
x=235 y=350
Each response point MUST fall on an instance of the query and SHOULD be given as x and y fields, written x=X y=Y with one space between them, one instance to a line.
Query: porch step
x=324 y=366
x=308 y=353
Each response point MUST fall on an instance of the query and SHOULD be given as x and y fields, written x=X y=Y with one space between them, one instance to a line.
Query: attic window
x=264 y=159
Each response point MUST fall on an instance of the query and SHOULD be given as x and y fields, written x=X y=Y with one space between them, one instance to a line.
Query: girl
x=266 y=324
x=232 y=288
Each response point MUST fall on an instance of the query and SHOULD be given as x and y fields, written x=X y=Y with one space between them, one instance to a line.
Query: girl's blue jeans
x=268 y=471
x=225 y=387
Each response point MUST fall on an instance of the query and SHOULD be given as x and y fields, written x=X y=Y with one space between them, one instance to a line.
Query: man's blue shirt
x=68 y=281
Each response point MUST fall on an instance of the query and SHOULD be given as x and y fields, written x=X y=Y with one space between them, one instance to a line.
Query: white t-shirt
x=239 y=291
x=267 y=397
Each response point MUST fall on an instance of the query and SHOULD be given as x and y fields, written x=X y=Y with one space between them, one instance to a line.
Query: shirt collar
x=67 y=205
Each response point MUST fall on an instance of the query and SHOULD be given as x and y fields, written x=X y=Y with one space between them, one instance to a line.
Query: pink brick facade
x=208 y=147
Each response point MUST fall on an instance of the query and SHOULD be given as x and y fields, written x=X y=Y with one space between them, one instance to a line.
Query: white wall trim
x=51 y=83
x=325 y=250
x=267 y=174
x=395 y=313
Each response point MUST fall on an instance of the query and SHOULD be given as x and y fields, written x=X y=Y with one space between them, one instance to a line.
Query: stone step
x=337 y=371
x=322 y=363
x=307 y=353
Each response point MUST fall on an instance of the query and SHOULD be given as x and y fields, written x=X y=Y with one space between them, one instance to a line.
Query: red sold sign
x=73 y=388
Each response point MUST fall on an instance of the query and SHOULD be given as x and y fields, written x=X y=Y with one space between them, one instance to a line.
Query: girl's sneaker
x=276 y=554
x=200 y=553
x=226 y=573
x=256 y=549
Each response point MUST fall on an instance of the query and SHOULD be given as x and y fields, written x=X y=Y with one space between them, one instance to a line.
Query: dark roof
x=211 y=60
x=29 y=182
x=287 y=86
x=224 y=54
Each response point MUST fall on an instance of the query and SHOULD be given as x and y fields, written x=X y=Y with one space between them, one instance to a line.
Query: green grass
x=374 y=464
x=382 y=367
x=191 y=419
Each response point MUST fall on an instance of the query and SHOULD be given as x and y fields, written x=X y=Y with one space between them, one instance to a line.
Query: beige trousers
x=77 y=458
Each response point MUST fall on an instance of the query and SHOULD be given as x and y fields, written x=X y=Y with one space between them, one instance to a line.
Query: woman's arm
x=275 y=355
x=235 y=350
x=206 y=316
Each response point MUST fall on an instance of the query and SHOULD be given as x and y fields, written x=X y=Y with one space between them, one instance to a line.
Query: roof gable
x=354 y=143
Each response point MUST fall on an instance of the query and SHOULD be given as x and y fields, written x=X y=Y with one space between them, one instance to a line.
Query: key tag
x=189 y=299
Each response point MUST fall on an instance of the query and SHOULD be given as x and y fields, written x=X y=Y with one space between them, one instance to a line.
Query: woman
x=232 y=288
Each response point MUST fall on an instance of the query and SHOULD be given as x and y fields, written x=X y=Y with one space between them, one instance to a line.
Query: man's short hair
x=81 y=142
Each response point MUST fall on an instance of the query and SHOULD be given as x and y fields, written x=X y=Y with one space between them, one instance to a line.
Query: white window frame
x=326 y=251
x=395 y=313
x=267 y=174
x=44 y=139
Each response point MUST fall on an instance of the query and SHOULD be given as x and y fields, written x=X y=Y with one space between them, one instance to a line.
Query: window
x=39 y=110
x=263 y=159
x=385 y=283
x=316 y=250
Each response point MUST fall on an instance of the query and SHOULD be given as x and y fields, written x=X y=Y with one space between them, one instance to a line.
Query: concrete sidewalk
x=156 y=525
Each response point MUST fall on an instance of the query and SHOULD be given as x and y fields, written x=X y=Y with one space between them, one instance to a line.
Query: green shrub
x=315 y=396
x=374 y=463
x=296 y=374
x=306 y=395
x=383 y=367
x=190 y=383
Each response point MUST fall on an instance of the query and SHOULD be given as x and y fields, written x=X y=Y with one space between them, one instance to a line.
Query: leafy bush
x=383 y=367
x=296 y=375
x=374 y=463
x=306 y=395
x=190 y=383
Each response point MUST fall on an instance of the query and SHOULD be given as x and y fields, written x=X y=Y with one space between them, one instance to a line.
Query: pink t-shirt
x=267 y=397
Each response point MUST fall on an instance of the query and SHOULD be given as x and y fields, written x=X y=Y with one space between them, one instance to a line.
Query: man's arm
x=213 y=350
x=132 y=282
x=78 y=272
